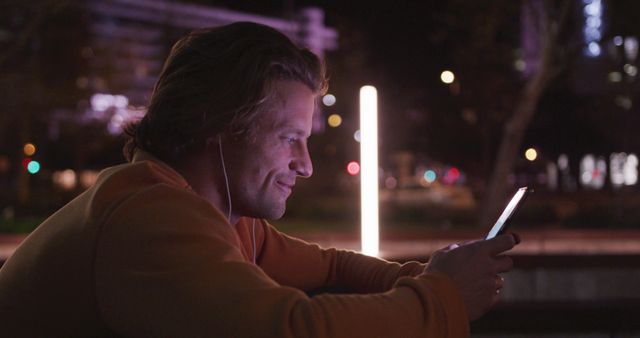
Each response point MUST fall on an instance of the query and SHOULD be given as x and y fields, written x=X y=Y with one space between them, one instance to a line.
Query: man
x=175 y=243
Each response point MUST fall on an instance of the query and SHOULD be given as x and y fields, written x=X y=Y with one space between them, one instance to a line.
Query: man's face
x=263 y=167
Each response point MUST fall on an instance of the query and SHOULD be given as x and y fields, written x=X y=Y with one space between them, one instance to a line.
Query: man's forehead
x=294 y=120
x=291 y=105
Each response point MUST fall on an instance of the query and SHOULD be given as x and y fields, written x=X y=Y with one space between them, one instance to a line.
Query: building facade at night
x=129 y=39
x=88 y=69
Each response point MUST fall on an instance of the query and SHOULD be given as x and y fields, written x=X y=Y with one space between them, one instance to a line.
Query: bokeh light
x=329 y=100
x=25 y=163
x=334 y=120
x=33 y=167
x=353 y=168
x=391 y=182
x=430 y=176
x=447 y=77
x=88 y=178
x=617 y=40
x=29 y=149
x=5 y=164
x=531 y=154
x=451 y=175
x=65 y=179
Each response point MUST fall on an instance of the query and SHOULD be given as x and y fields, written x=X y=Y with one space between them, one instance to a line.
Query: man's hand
x=474 y=268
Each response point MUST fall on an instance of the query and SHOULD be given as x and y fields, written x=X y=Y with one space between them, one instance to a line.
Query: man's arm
x=168 y=265
x=473 y=267
x=293 y=262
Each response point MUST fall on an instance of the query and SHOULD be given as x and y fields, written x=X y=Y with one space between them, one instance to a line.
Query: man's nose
x=302 y=163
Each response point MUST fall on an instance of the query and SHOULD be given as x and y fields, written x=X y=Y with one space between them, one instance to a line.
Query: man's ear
x=214 y=145
x=213 y=141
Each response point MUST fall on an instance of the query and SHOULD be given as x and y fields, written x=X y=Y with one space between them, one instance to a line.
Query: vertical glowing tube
x=369 y=170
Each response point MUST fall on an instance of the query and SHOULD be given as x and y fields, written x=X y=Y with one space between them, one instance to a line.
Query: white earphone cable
x=226 y=181
x=226 y=178
x=253 y=233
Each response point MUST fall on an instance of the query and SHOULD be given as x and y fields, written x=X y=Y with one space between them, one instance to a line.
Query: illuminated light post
x=369 y=170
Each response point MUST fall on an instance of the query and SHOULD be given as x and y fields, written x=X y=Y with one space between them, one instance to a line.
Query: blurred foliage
x=19 y=225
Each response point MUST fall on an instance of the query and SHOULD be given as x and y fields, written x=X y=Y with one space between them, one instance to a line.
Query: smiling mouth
x=285 y=187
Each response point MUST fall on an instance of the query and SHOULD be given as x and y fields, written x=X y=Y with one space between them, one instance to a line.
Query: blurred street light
x=447 y=77
x=531 y=154
x=33 y=167
x=329 y=100
x=29 y=149
x=356 y=135
x=334 y=120
x=353 y=168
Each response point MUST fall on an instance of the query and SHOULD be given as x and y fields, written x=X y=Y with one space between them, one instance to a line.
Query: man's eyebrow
x=288 y=126
x=297 y=131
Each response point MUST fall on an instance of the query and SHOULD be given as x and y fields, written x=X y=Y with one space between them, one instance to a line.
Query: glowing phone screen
x=507 y=212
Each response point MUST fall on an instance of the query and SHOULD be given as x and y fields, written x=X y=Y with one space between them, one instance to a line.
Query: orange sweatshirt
x=139 y=254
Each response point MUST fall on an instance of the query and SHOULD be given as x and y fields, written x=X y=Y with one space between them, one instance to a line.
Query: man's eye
x=290 y=140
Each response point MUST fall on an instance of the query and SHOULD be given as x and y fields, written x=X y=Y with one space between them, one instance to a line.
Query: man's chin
x=277 y=216
x=273 y=213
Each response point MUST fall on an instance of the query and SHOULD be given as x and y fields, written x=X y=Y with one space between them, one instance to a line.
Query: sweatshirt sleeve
x=167 y=264
x=294 y=262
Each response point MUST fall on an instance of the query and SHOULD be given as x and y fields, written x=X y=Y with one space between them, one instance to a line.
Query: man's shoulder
x=117 y=185
x=156 y=211
x=141 y=173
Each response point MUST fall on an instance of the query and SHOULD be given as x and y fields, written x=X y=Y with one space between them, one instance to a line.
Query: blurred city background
x=475 y=100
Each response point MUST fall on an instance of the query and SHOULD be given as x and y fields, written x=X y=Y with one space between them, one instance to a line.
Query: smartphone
x=503 y=221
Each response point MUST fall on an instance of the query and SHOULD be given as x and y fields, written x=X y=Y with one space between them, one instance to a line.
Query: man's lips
x=288 y=187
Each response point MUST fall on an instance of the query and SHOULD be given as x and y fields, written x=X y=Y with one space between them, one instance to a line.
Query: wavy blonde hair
x=216 y=80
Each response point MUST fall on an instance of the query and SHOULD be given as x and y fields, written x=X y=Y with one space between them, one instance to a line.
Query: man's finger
x=471 y=241
x=500 y=244
x=516 y=237
x=503 y=264
x=499 y=282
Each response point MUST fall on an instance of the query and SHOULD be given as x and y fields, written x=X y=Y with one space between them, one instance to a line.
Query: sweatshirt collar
x=165 y=169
